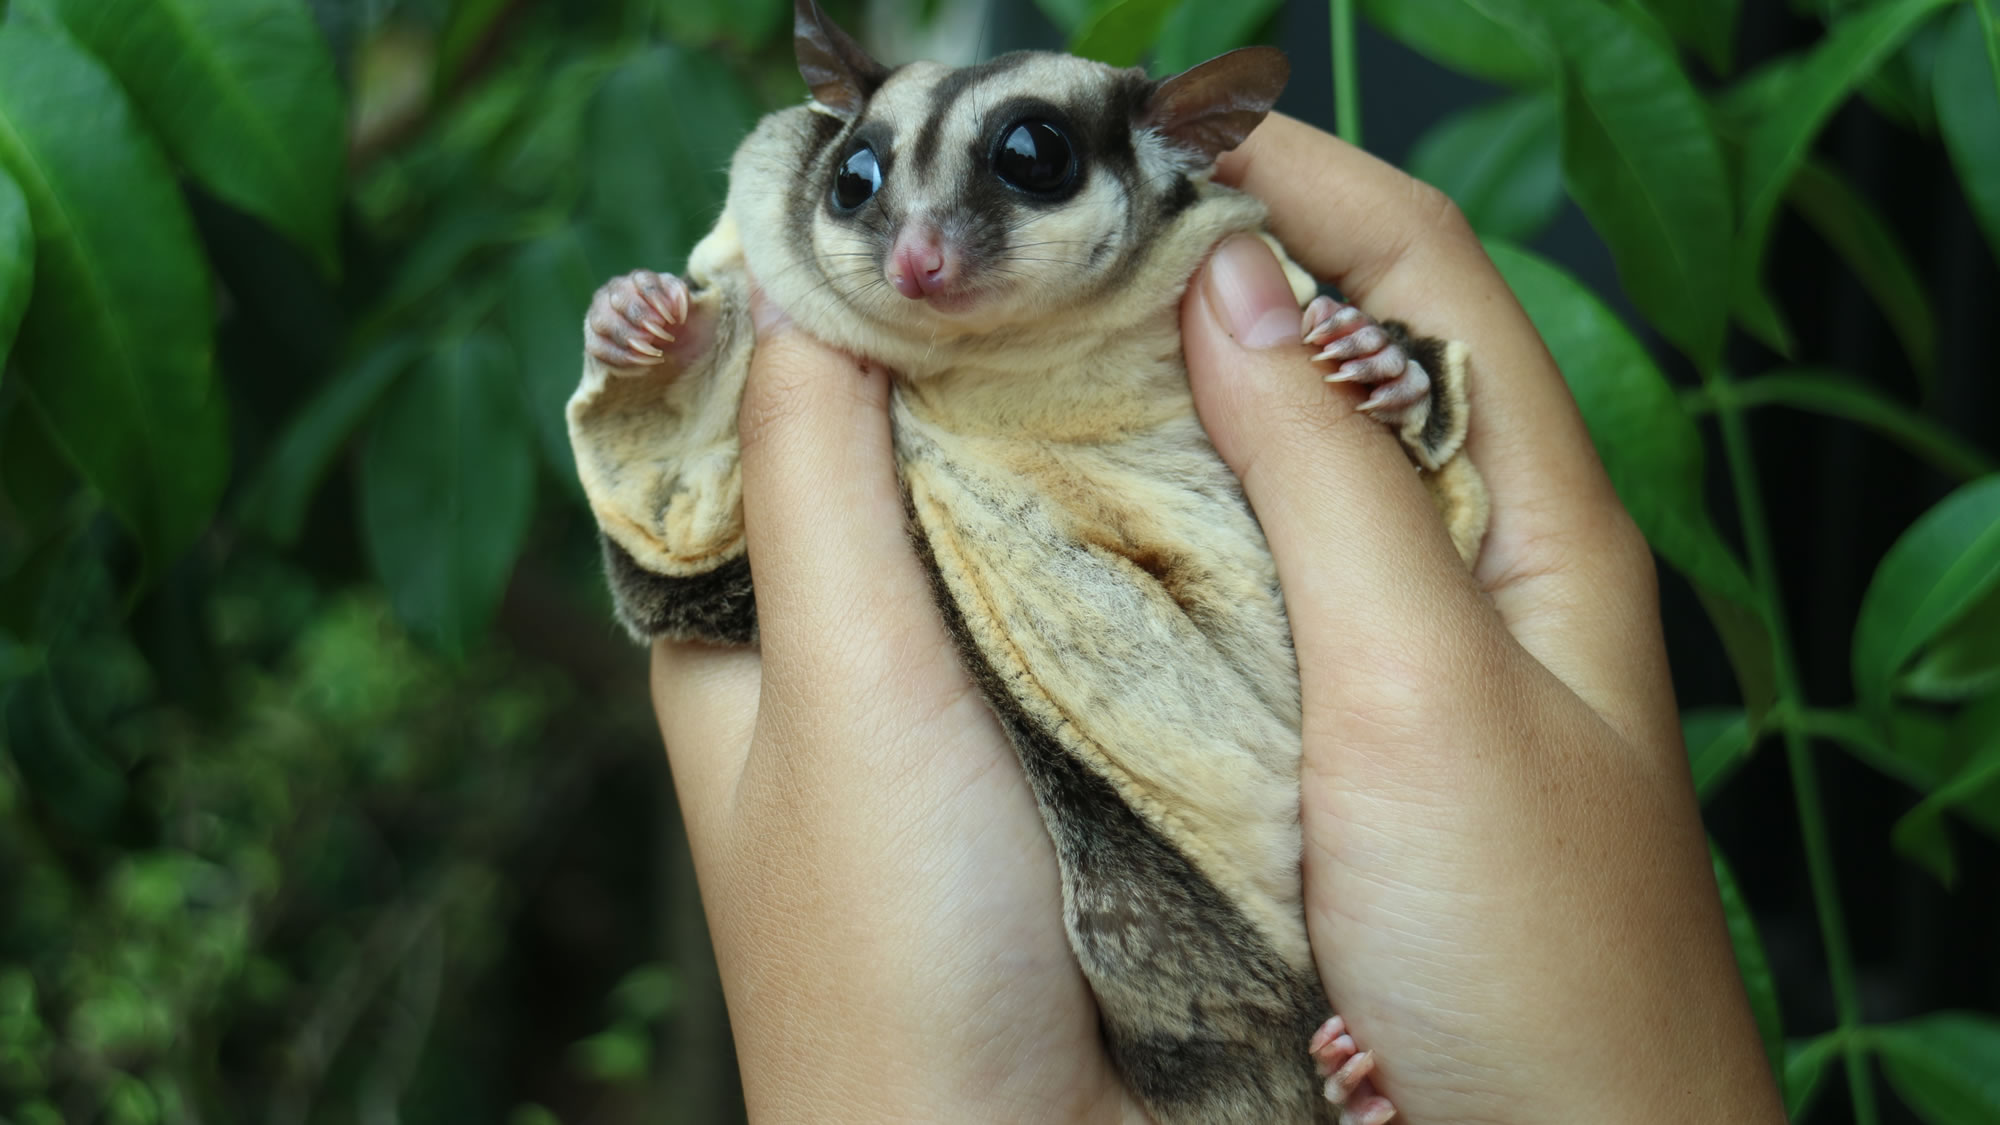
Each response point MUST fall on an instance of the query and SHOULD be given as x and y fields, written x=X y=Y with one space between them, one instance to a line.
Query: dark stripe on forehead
x=1152 y=203
x=924 y=151
x=819 y=131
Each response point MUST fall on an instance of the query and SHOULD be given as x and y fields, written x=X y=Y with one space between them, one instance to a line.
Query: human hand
x=882 y=895
x=1507 y=888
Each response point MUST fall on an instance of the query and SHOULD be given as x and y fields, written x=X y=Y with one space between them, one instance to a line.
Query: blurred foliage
x=203 y=915
x=289 y=299
x=302 y=650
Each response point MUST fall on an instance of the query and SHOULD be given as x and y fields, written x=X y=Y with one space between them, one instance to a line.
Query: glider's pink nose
x=921 y=265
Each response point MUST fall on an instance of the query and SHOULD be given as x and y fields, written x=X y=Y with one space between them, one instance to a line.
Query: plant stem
x=1798 y=756
x=1346 y=76
x=1832 y=394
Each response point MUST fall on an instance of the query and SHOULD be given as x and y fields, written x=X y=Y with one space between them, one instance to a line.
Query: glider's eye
x=859 y=178
x=1035 y=157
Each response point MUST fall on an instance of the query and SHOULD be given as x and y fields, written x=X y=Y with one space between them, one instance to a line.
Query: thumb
x=1373 y=587
x=841 y=597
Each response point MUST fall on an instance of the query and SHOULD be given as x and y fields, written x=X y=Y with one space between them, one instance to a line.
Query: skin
x=1507 y=887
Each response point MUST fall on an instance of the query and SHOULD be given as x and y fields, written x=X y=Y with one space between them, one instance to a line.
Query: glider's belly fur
x=1126 y=625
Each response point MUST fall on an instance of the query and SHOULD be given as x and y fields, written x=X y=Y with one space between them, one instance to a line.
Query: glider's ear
x=839 y=73
x=1208 y=109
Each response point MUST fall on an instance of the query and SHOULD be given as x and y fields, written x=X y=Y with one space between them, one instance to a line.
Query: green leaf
x=1501 y=162
x=38 y=483
x=1989 y=22
x=1642 y=17
x=1122 y=32
x=281 y=494
x=1964 y=659
x=1751 y=305
x=17 y=262
x=1920 y=838
x=647 y=993
x=1838 y=395
x=1850 y=224
x=1650 y=447
x=447 y=487
x=1753 y=96
x=1719 y=739
x=17 y=661
x=25 y=587
x=1067 y=15
x=1901 y=88
x=1708 y=26
x=547 y=293
x=1488 y=39
x=39 y=1111
x=1782 y=137
x=1945 y=1066
x=1938 y=570
x=150 y=888
x=746 y=22
x=1805 y=1069
x=1641 y=159
x=470 y=24
x=658 y=178
x=47 y=513
x=618 y=1054
x=438 y=263
x=131 y=1102
x=542 y=155
x=118 y=1017
x=60 y=764
x=1751 y=963
x=1201 y=29
x=1919 y=749
x=1746 y=640
x=1735 y=111
x=240 y=91
x=1975 y=728
x=1968 y=105
x=1920 y=834
x=116 y=349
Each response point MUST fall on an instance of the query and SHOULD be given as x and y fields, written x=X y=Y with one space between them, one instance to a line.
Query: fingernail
x=1248 y=292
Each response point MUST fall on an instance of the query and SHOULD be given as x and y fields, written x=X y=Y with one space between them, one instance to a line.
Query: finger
x=1565 y=566
x=841 y=597
x=705 y=698
x=1375 y=591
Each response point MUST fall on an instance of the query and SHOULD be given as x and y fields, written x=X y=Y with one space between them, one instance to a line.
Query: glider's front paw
x=1367 y=353
x=1346 y=1070
x=638 y=321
